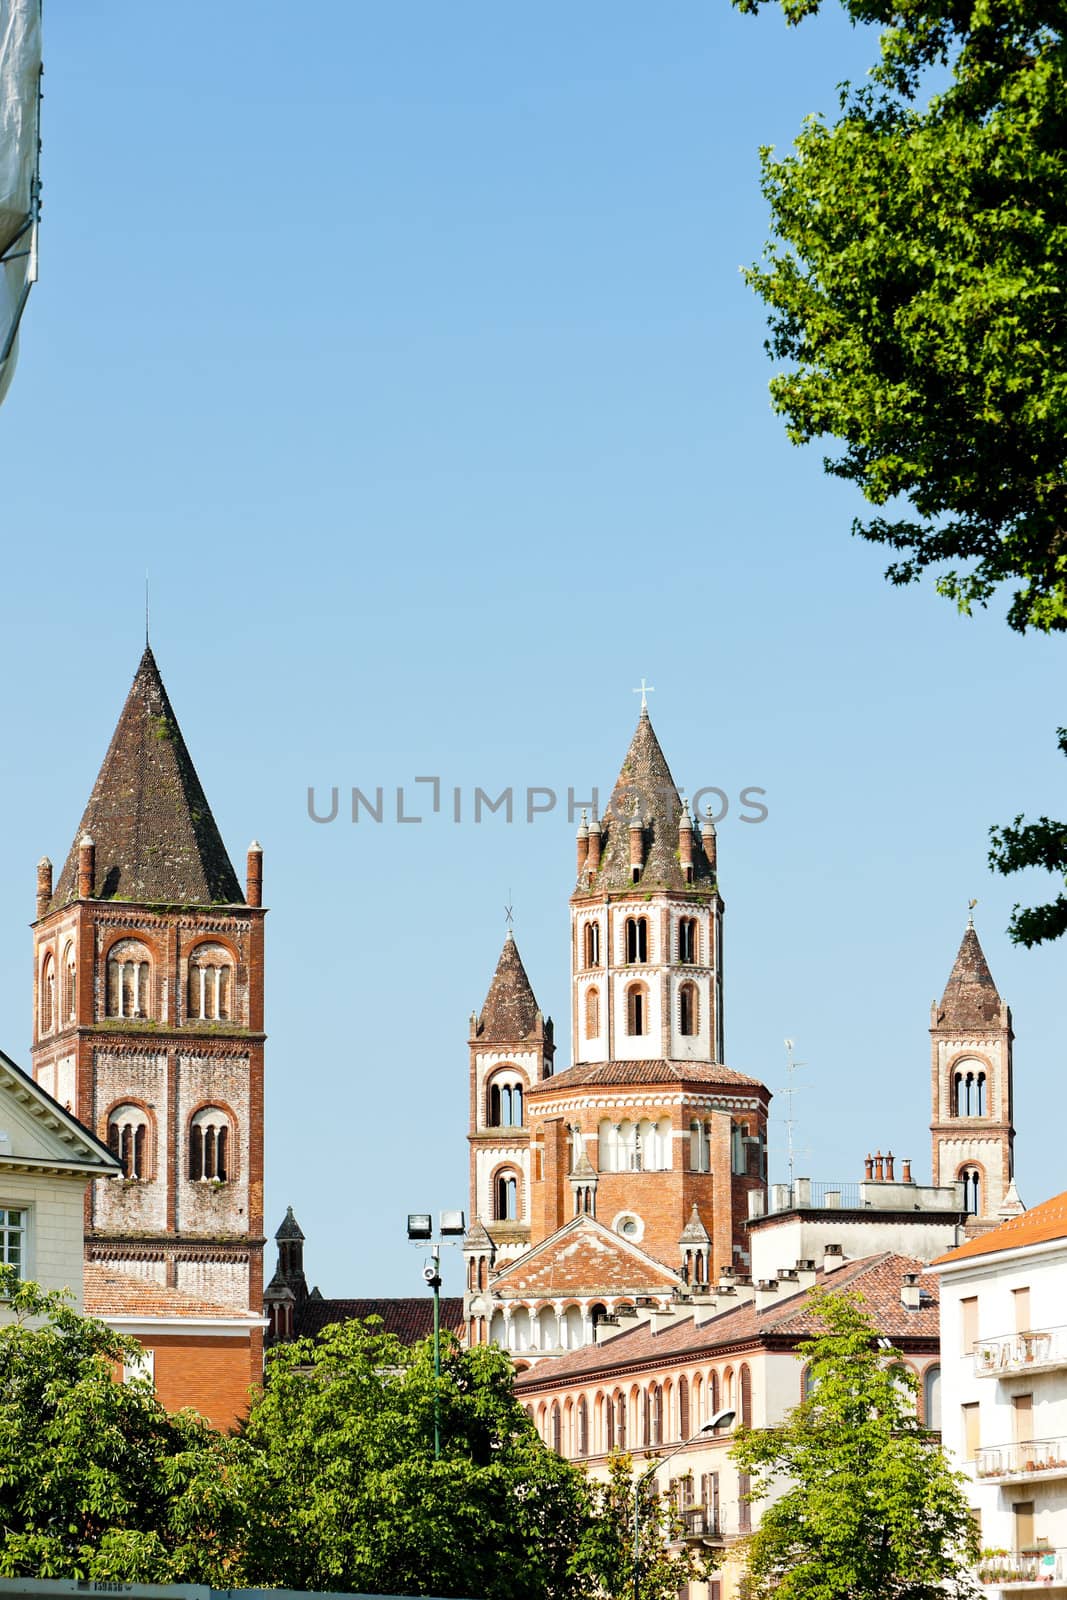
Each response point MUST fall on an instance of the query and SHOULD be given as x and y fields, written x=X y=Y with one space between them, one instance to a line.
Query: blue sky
x=407 y=346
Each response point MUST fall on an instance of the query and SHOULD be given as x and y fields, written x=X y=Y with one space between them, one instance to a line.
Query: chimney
x=756 y=1202
x=665 y=1317
x=606 y=1328
x=805 y=1272
x=868 y=1167
x=583 y=843
x=766 y=1293
x=910 y=1293
x=44 y=886
x=905 y=1176
x=637 y=850
x=889 y=1166
x=254 y=874
x=685 y=842
x=86 y=867
x=592 y=860
x=832 y=1258
x=879 y=1167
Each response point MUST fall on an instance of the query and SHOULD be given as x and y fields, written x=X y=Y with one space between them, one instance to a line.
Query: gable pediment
x=584 y=1258
x=37 y=1133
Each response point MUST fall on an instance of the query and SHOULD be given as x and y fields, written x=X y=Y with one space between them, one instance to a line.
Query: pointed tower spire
x=971 y=998
x=510 y=1012
x=156 y=840
x=646 y=789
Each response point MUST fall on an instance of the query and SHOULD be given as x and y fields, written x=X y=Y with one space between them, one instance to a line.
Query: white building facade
x=1004 y=1397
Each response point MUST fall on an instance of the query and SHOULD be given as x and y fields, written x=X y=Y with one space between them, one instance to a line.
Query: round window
x=629 y=1226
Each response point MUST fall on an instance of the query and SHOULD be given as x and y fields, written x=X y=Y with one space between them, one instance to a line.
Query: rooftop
x=1042 y=1224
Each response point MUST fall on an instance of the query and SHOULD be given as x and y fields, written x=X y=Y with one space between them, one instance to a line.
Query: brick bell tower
x=649 y=1130
x=971 y=1088
x=148 y=1017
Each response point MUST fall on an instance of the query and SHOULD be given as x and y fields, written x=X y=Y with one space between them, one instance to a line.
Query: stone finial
x=254 y=874
x=86 y=867
x=44 y=886
x=583 y=842
x=592 y=860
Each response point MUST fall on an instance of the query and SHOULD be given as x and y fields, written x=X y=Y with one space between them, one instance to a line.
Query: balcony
x=1042 y=1350
x=701 y=1525
x=1022 y=1463
x=1025 y=1569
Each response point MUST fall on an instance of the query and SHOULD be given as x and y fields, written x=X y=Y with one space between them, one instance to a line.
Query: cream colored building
x=1004 y=1374
x=46 y=1161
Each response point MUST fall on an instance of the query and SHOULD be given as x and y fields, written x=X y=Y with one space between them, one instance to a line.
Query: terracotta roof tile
x=625 y=1072
x=877 y=1278
x=1040 y=1225
x=156 y=840
x=410 y=1319
x=120 y=1294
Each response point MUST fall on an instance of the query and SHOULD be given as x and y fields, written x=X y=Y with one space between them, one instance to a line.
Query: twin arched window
x=129 y=980
x=688 y=1010
x=505 y=1104
x=971 y=1179
x=209 y=1145
x=210 y=993
x=687 y=940
x=69 y=984
x=127 y=1139
x=636 y=933
x=506 y=1197
x=591 y=941
x=636 y=1010
x=968 y=1092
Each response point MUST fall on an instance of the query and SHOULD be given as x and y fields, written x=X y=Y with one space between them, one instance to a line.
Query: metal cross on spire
x=644 y=691
x=509 y=912
x=970 y=912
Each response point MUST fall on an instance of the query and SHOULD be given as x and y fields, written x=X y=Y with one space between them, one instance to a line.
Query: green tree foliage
x=916 y=282
x=96 y=1480
x=606 y=1553
x=871 y=1511
x=343 y=1491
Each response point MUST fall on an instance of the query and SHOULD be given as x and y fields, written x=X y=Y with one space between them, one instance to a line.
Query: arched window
x=592 y=1013
x=969 y=1090
x=636 y=1010
x=609 y=1423
x=728 y=1390
x=48 y=993
x=69 y=984
x=520 y=1328
x=506 y=1197
x=592 y=944
x=971 y=1179
x=209 y=1146
x=687 y=940
x=129 y=980
x=127 y=1139
x=745 y=1385
x=979 y=1095
x=505 y=1107
x=700 y=1146
x=637 y=939
x=583 y=1427
x=557 y=1428
x=932 y=1398
x=683 y=1408
x=655 y=1414
x=210 y=984
x=688 y=1010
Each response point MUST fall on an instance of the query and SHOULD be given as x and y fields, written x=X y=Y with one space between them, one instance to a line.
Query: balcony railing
x=1038 y=1458
x=1025 y=1569
x=1042 y=1349
x=700 y=1522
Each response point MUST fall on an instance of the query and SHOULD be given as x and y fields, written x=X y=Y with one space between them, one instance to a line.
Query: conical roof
x=156 y=840
x=971 y=999
x=510 y=1012
x=646 y=789
x=290 y=1228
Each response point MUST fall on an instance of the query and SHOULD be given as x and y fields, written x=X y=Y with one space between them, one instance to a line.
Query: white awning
x=20 y=86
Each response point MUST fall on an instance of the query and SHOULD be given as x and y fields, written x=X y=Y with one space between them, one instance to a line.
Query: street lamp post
x=722 y=1419
x=420 y=1231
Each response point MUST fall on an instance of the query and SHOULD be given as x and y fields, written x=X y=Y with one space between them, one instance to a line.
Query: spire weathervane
x=644 y=691
x=146 y=610
x=509 y=913
x=970 y=912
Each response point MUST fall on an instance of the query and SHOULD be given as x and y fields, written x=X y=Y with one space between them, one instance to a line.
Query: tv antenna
x=792 y=1067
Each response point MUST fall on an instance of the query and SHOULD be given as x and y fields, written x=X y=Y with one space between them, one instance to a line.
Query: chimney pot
x=44 y=886
x=254 y=874
x=889 y=1166
x=86 y=867
x=868 y=1167
x=879 y=1167
x=905 y=1176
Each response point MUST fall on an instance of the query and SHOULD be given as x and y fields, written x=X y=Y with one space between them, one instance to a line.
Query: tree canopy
x=871 y=1509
